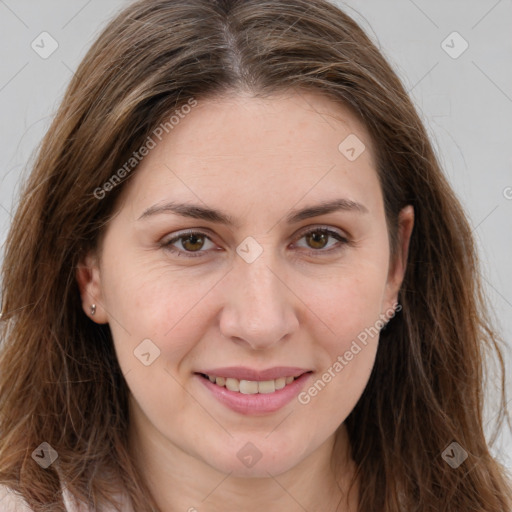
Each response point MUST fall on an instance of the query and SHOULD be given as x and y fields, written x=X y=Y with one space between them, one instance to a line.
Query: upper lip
x=245 y=373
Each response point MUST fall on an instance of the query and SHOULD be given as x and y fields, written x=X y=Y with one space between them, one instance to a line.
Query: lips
x=246 y=399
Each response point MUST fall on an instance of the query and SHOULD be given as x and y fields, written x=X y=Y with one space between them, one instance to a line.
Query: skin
x=295 y=305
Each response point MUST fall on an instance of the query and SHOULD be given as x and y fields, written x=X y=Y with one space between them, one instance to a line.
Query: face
x=253 y=292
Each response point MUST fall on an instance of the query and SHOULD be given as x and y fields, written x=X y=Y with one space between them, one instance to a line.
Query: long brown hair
x=60 y=381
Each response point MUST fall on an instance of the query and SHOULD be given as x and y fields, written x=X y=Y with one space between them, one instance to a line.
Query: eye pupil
x=194 y=239
x=193 y=242
x=318 y=237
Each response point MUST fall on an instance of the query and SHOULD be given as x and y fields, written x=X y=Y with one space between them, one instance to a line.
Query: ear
x=398 y=266
x=88 y=277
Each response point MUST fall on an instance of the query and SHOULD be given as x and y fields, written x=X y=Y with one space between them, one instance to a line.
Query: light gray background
x=465 y=102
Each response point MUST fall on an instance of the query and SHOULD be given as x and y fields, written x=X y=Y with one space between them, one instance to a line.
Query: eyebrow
x=208 y=214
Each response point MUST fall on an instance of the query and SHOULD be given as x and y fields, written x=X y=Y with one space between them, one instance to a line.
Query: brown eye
x=317 y=239
x=193 y=242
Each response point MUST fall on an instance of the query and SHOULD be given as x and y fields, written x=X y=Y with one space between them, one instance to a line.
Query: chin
x=256 y=458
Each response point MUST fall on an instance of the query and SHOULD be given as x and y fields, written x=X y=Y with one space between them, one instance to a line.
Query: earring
x=93 y=309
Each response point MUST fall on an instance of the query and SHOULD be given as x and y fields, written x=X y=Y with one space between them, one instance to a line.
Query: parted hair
x=60 y=381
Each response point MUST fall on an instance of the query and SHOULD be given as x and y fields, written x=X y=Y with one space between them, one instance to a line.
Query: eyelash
x=334 y=234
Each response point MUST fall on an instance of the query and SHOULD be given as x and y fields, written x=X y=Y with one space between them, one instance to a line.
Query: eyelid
x=322 y=227
x=167 y=244
x=342 y=238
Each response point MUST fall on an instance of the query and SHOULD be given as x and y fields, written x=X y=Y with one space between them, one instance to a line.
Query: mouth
x=251 y=387
x=267 y=392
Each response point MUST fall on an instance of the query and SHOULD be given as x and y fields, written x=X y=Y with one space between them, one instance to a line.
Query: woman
x=238 y=278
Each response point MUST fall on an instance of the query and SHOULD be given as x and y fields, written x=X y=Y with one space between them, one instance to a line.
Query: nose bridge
x=261 y=283
x=259 y=308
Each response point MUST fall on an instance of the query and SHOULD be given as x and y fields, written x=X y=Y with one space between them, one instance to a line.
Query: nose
x=260 y=306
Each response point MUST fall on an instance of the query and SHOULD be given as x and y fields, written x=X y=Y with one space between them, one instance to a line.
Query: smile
x=250 y=387
x=254 y=397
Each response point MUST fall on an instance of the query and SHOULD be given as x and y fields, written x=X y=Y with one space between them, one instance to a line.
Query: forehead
x=282 y=125
x=280 y=148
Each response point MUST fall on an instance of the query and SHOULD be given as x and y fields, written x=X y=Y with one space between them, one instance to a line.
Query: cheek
x=347 y=304
x=148 y=315
x=149 y=301
x=347 y=355
x=350 y=310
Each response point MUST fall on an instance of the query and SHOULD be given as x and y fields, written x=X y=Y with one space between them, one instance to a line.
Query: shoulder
x=10 y=501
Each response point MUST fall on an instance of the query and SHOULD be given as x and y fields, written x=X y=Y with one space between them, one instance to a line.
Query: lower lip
x=259 y=403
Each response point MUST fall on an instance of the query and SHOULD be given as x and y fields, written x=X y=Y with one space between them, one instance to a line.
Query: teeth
x=233 y=384
x=248 y=387
x=266 y=386
x=251 y=387
x=280 y=383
